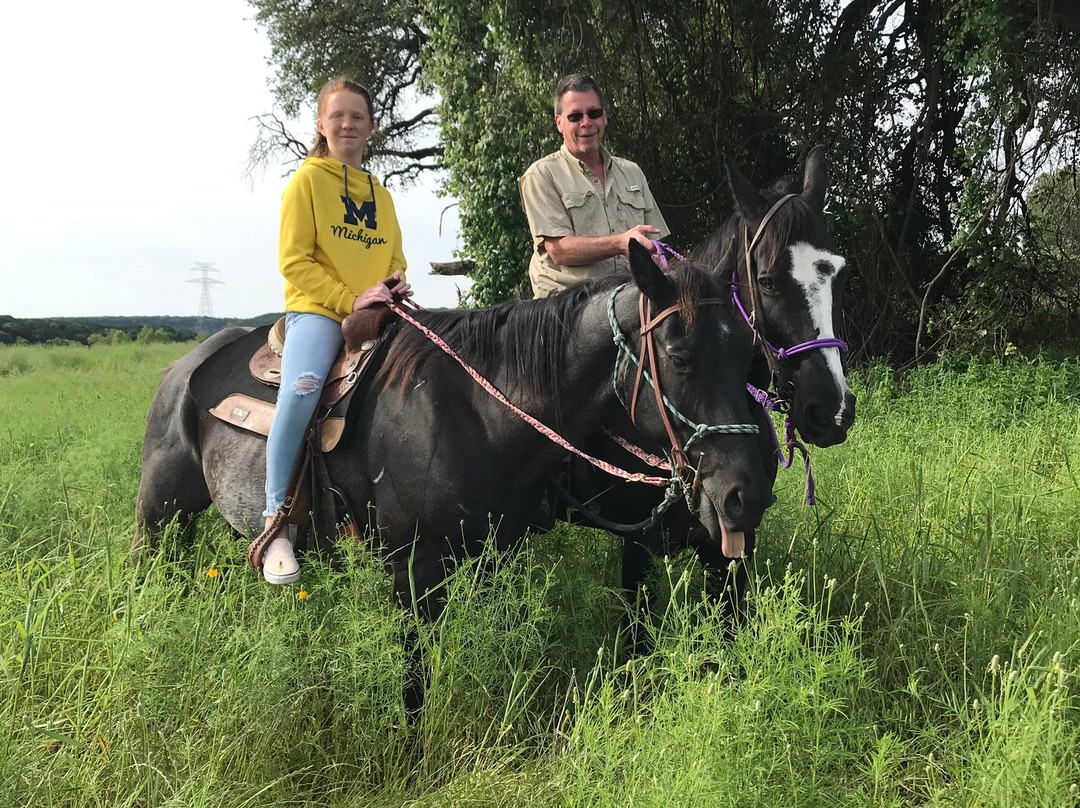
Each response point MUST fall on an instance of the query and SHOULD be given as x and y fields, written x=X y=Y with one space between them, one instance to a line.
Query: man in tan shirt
x=584 y=206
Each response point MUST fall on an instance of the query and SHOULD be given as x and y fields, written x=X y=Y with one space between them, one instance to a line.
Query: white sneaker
x=279 y=563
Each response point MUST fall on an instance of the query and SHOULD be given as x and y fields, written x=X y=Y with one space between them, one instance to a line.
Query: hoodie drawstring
x=371 y=184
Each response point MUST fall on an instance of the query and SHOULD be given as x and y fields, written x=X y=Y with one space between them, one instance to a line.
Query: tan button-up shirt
x=562 y=197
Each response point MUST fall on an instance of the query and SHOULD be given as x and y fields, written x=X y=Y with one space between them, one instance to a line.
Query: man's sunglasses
x=593 y=114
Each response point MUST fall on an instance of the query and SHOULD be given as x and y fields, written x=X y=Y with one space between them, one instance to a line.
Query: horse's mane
x=527 y=337
x=795 y=220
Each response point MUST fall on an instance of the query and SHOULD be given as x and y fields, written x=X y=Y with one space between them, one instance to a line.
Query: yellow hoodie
x=339 y=236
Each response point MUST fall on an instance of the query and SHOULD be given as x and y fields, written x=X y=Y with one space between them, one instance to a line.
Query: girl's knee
x=307 y=383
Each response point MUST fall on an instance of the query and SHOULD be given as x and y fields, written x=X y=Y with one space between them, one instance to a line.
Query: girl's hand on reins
x=383 y=292
x=399 y=287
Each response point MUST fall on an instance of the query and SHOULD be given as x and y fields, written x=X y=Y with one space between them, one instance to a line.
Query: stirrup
x=257 y=549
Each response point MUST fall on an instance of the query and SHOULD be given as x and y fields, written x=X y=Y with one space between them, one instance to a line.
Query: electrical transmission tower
x=206 y=308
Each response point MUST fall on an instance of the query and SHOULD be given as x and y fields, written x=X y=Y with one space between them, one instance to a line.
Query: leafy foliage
x=933 y=135
x=938 y=116
x=312 y=42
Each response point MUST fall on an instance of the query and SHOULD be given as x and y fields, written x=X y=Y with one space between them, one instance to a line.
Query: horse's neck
x=589 y=368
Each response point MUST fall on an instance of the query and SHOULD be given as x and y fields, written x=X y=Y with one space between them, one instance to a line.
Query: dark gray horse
x=442 y=464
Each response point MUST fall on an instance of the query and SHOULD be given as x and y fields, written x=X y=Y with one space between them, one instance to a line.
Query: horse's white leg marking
x=814 y=270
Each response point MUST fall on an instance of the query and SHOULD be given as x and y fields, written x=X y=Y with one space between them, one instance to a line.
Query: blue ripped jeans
x=312 y=342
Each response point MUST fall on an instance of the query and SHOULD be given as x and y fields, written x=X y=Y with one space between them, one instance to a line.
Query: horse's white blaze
x=814 y=270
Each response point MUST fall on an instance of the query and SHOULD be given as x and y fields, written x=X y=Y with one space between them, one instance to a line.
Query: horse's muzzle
x=825 y=425
x=742 y=505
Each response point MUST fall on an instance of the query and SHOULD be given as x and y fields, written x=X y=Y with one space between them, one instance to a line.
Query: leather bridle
x=647 y=322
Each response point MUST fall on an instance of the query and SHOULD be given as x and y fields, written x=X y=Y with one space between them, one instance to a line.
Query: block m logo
x=365 y=213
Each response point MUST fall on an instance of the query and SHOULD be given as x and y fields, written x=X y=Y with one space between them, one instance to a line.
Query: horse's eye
x=766 y=283
x=678 y=362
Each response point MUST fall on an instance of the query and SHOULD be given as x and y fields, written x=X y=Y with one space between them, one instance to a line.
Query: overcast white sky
x=125 y=136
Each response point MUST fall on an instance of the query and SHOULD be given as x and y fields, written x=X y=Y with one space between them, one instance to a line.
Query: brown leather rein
x=679 y=461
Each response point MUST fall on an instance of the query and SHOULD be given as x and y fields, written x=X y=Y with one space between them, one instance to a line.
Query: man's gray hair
x=576 y=83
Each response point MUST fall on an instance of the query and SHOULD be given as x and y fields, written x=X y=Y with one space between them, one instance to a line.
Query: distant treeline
x=108 y=330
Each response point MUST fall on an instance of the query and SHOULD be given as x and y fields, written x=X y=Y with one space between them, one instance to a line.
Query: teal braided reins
x=700 y=430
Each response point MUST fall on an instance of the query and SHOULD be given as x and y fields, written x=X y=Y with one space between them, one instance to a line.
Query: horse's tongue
x=732 y=543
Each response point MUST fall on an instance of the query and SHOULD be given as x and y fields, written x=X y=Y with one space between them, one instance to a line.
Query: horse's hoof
x=279 y=563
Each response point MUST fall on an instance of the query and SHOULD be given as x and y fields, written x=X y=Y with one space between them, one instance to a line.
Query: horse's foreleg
x=419 y=586
x=638 y=553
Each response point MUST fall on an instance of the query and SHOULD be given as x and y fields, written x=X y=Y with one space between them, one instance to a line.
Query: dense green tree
x=938 y=115
x=1053 y=238
x=375 y=42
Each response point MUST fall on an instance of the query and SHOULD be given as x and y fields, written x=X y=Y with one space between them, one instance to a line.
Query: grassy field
x=912 y=640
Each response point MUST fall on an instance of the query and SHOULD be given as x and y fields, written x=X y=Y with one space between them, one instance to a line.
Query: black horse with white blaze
x=786 y=279
x=790 y=282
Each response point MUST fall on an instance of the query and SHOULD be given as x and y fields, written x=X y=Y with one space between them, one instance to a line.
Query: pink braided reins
x=634 y=477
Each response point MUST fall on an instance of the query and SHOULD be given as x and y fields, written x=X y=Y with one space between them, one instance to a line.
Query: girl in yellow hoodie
x=339 y=238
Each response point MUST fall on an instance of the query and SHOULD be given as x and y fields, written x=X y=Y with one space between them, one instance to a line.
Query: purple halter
x=779 y=353
x=791 y=442
x=782 y=353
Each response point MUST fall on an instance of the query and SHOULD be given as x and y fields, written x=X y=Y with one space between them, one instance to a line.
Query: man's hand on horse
x=643 y=234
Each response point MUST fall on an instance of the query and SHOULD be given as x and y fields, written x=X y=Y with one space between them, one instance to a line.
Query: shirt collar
x=605 y=155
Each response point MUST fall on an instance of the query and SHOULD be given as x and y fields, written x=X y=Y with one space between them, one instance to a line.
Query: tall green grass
x=911 y=640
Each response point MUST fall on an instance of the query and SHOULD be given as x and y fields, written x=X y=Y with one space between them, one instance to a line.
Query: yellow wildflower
x=212 y=572
x=302 y=594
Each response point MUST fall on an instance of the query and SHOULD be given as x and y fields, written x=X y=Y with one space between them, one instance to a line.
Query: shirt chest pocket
x=635 y=201
x=632 y=208
x=581 y=208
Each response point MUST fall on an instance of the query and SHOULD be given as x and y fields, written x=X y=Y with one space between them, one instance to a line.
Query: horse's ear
x=750 y=203
x=650 y=279
x=815 y=179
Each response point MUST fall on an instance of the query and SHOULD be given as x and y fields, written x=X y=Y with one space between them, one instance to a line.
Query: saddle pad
x=225 y=372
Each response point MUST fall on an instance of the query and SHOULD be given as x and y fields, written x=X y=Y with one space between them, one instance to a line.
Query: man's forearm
x=576 y=251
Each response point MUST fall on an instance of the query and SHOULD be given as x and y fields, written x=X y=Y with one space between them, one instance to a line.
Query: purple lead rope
x=663 y=251
x=791 y=443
